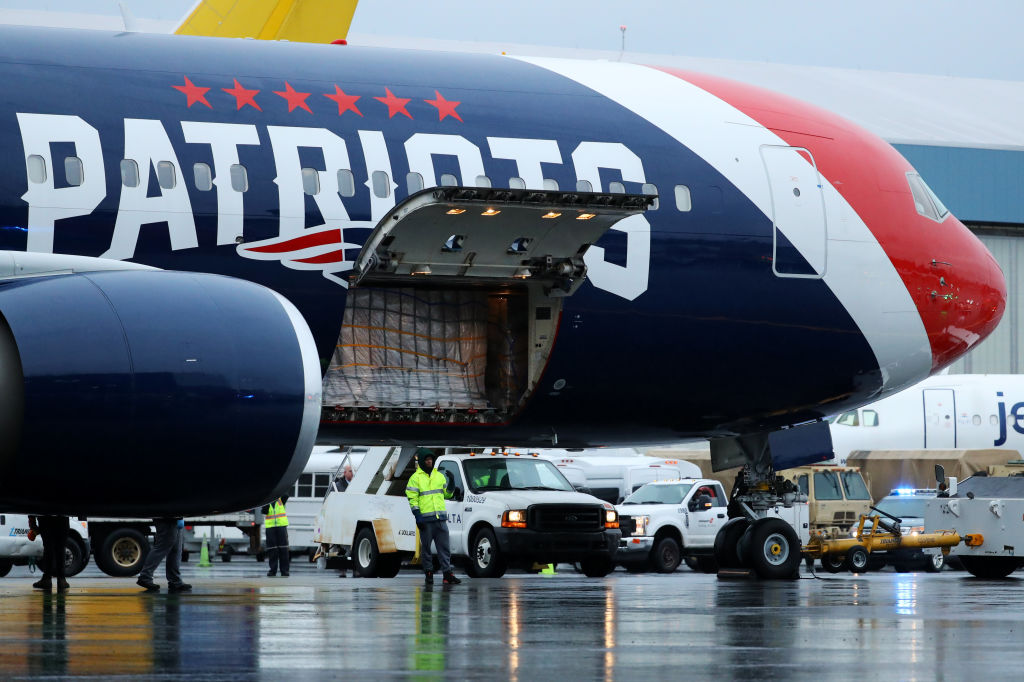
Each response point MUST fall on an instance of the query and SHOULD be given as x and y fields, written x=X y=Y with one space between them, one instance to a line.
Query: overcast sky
x=945 y=37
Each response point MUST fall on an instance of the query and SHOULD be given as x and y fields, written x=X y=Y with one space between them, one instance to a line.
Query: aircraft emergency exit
x=218 y=250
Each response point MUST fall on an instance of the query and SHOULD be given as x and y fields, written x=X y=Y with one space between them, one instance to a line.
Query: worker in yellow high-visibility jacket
x=427 y=491
x=276 y=525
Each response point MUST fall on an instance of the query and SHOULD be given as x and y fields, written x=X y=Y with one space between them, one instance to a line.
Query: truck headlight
x=514 y=518
x=611 y=518
x=640 y=524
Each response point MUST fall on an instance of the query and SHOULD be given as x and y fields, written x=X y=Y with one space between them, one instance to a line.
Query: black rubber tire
x=727 y=540
x=857 y=559
x=707 y=564
x=665 y=556
x=597 y=567
x=990 y=568
x=485 y=557
x=773 y=550
x=123 y=552
x=691 y=562
x=74 y=557
x=365 y=555
x=389 y=565
x=934 y=563
x=833 y=563
x=5 y=567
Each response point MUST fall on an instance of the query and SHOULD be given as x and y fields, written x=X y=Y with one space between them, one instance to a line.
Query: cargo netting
x=410 y=348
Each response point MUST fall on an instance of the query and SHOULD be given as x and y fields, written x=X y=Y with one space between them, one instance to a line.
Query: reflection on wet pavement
x=905 y=626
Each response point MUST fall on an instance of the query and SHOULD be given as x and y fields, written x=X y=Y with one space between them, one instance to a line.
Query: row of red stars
x=297 y=100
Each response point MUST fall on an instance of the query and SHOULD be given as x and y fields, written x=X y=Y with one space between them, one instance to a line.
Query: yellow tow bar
x=872 y=539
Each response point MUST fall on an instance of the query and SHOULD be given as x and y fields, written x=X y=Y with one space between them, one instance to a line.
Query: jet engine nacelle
x=206 y=389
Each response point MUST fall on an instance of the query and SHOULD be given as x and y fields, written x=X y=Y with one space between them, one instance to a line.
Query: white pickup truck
x=506 y=509
x=666 y=521
x=17 y=550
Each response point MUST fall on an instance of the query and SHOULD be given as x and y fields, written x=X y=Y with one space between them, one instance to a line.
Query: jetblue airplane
x=215 y=251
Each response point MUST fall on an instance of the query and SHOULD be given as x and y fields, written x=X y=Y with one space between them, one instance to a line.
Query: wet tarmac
x=240 y=624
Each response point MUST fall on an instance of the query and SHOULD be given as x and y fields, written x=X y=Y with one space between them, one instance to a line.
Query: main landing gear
x=767 y=546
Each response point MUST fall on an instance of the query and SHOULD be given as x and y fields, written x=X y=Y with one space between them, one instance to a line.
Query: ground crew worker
x=427 y=491
x=276 y=523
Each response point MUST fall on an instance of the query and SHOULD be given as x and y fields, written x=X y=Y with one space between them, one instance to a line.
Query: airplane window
x=239 y=178
x=36 y=168
x=449 y=180
x=925 y=201
x=129 y=173
x=651 y=191
x=200 y=172
x=165 y=175
x=551 y=185
x=848 y=419
x=310 y=181
x=683 y=202
x=516 y=183
x=483 y=181
x=616 y=188
x=584 y=186
x=414 y=182
x=346 y=183
x=870 y=417
x=976 y=420
x=381 y=184
x=74 y=172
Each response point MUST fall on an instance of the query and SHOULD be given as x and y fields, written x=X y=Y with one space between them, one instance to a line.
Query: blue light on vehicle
x=903 y=491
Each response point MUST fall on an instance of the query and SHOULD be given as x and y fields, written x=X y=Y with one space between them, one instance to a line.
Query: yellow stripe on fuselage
x=300 y=21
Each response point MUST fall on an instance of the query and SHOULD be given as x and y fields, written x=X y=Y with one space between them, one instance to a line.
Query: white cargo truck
x=615 y=474
x=665 y=522
x=505 y=510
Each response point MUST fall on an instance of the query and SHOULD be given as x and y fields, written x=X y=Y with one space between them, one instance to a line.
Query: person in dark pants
x=427 y=491
x=167 y=545
x=276 y=523
x=54 y=531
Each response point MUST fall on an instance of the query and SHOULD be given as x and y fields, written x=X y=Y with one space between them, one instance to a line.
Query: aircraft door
x=939 y=418
x=799 y=236
x=454 y=505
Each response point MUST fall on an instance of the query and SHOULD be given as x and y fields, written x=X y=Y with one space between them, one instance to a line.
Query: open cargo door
x=456 y=300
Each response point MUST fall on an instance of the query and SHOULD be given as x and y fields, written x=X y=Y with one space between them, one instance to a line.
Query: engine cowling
x=149 y=393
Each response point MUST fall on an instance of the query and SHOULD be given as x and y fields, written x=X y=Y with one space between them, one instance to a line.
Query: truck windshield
x=904 y=507
x=659 y=494
x=494 y=473
x=853 y=483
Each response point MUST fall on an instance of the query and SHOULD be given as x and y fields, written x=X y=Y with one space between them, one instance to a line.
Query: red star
x=444 y=107
x=345 y=102
x=295 y=99
x=193 y=92
x=243 y=96
x=396 y=105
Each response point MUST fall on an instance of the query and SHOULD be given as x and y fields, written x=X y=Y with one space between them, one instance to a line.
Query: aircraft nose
x=963 y=297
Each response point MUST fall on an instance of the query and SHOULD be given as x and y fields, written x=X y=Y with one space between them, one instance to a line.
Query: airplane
x=943 y=412
x=215 y=251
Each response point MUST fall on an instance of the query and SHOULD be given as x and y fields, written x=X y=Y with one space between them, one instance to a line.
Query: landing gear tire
x=935 y=562
x=773 y=549
x=365 y=555
x=666 y=556
x=5 y=567
x=598 y=567
x=857 y=559
x=122 y=553
x=707 y=564
x=833 y=563
x=990 y=568
x=485 y=557
x=727 y=540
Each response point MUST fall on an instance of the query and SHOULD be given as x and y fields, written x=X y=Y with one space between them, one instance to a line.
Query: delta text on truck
x=506 y=509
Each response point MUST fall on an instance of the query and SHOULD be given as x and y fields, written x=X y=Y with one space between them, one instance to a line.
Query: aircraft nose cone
x=966 y=300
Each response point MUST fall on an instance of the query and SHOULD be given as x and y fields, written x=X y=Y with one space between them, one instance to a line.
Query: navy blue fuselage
x=715 y=344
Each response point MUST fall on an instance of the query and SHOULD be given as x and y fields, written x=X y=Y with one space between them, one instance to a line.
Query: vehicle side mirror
x=940 y=474
x=692 y=505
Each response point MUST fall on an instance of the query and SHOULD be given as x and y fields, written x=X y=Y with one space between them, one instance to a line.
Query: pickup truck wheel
x=833 y=563
x=726 y=541
x=856 y=559
x=122 y=553
x=665 y=557
x=388 y=566
x=990 y=568
x=365 y=555
x=773 y=549
x=74 y=561
x=935 y=562
x=5 y=567
x=485 y=558
x=597 y=568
